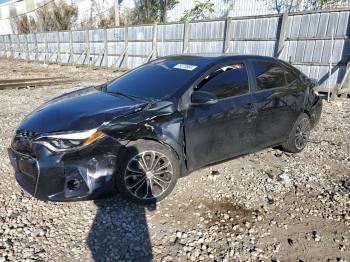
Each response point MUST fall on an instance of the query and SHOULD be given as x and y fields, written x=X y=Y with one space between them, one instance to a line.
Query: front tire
x=299 y=135
x=148 y=173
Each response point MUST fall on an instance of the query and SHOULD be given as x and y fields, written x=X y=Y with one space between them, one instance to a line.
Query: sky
x=3 y=1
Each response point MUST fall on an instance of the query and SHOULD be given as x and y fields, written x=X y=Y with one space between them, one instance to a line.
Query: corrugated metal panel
x=304 y=25
x=78 y=48
x=326 y=54
x=343 y=24
x=296 y=26
x=264 y=28
x=260 y=28
x=206 y=47
x=317 y=56
x=300 y=49
x=115 y=48
x=322 y=26
x=51 y=37
x=314 y=19
x=139 y=45
x=169 y=48
x=96 y=48
x=332 y=24
x=273 y=24
x=64 y=37
x=142 y=33
x=139 y=48
x=170 y=32
x=116 y=34
x=96 y=35
x=257 y=26
x=135 y=61
x=40 y=38
x=96 y=38
x=309 y=50
x=206 y=30
x=78 y=36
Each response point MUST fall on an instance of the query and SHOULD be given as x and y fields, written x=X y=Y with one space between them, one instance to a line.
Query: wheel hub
x=148 y=174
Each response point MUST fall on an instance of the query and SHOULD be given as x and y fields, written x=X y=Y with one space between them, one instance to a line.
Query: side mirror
x=203 y=98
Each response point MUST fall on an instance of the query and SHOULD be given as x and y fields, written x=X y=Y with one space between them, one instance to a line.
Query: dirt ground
x=267 y=206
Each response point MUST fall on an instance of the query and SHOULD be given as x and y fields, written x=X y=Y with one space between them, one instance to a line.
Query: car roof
x=217 y=58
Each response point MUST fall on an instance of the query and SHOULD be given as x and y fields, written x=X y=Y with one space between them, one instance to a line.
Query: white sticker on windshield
x=185 y=67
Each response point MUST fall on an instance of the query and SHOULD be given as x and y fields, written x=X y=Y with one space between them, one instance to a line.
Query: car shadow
x=120 y=232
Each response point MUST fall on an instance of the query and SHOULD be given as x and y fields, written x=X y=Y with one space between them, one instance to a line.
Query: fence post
x=36 y=48
x=186 y=37
x=58 y=59
x=282 y=35
x=71 y=47
x=154 y=41
x=27 y=47
x=228 y=34
x=18 y=47
x=11 y=47
x=5 y=45
x=106 y=46
x=46 y=47
x=87 y=38
x=126 y=43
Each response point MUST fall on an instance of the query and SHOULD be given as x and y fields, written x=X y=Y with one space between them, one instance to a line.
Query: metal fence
x=315 y=42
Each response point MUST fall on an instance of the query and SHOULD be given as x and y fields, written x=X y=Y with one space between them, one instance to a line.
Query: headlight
x=70 y=141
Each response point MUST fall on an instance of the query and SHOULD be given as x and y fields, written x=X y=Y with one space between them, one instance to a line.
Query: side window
x=269 y=75
x=231 y=80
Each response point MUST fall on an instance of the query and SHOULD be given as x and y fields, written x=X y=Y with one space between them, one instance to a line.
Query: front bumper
x=79 y=175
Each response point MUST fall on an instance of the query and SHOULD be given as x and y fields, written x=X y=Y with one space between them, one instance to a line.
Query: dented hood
x=80 y=110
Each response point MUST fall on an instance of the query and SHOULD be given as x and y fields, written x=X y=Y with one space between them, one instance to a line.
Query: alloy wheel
x=302 y=133
x=148 y=175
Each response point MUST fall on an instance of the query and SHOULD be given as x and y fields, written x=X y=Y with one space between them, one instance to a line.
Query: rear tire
x=148 y=172
x=299 y=135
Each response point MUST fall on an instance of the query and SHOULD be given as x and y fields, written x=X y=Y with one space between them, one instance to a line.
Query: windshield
x=156 y=80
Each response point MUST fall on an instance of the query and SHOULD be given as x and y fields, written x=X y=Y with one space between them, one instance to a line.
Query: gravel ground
x=268 y=206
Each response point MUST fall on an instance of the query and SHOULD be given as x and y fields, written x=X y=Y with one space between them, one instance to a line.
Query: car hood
x=80 y=110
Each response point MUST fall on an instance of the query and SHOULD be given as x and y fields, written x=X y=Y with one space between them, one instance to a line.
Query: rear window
x=269 y=75
x=157 y=80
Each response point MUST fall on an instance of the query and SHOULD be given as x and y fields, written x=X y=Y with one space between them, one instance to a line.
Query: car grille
x=29 y=171
x=26 y=158
x=22 y=142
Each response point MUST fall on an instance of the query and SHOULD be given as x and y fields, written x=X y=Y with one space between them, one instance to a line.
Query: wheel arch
x=145 y=138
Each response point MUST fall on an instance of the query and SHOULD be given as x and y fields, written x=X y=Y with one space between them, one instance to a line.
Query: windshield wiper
x=103 y=88
x=122 y=94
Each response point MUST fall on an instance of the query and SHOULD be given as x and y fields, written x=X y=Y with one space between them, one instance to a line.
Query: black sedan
x=142 y=131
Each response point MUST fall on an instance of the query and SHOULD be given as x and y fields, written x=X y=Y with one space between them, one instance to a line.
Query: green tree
x=201 y=10
x=149 y=11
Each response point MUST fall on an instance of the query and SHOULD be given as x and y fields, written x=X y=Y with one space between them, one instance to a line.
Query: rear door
x=224 y=129
x=279 y=102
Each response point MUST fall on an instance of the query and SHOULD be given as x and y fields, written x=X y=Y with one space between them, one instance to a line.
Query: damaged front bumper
x=83 y=174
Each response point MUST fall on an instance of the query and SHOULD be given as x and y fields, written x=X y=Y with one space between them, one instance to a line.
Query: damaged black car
x=142 y=131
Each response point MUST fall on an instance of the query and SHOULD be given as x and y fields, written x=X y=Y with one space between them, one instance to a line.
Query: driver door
x=224 y=129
